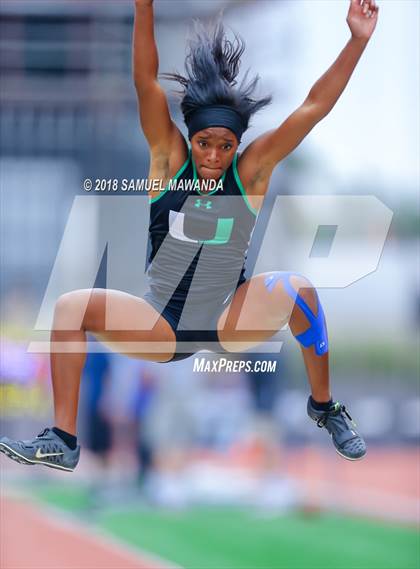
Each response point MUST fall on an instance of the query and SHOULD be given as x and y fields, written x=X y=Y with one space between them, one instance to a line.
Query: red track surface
x=384 y=485
x=30 y=540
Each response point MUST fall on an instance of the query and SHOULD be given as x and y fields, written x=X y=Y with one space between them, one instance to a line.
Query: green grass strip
x=215 y=538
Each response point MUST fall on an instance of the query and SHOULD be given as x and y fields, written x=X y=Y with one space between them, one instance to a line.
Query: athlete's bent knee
x=308 y=301
x=70 y=310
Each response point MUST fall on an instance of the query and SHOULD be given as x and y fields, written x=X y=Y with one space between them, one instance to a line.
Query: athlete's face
x=213 y=151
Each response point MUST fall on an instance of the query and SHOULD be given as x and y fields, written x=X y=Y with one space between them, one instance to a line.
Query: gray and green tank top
x=199 y=240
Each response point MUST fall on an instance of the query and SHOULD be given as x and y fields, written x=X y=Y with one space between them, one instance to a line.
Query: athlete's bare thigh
x=125 y=323
x=255 y=314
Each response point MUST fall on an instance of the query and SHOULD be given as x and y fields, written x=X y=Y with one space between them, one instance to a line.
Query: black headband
x=215 y=115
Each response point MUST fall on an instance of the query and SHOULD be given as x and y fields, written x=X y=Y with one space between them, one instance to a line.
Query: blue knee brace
x=316 y=335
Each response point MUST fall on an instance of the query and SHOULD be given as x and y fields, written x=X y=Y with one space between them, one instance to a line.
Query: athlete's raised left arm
x=262 y=155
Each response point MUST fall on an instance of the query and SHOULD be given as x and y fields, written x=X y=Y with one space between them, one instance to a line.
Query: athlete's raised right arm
x=155 y=119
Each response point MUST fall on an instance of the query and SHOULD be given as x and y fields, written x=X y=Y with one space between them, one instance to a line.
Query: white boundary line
x=56 y=516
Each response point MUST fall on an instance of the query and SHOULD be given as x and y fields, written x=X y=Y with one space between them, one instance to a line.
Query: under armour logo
x=208 y=204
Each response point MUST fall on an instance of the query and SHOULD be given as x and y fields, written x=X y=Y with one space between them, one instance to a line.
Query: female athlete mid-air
x=199 y=297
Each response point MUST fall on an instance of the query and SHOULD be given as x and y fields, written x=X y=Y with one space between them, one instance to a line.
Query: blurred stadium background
x=219 y=470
